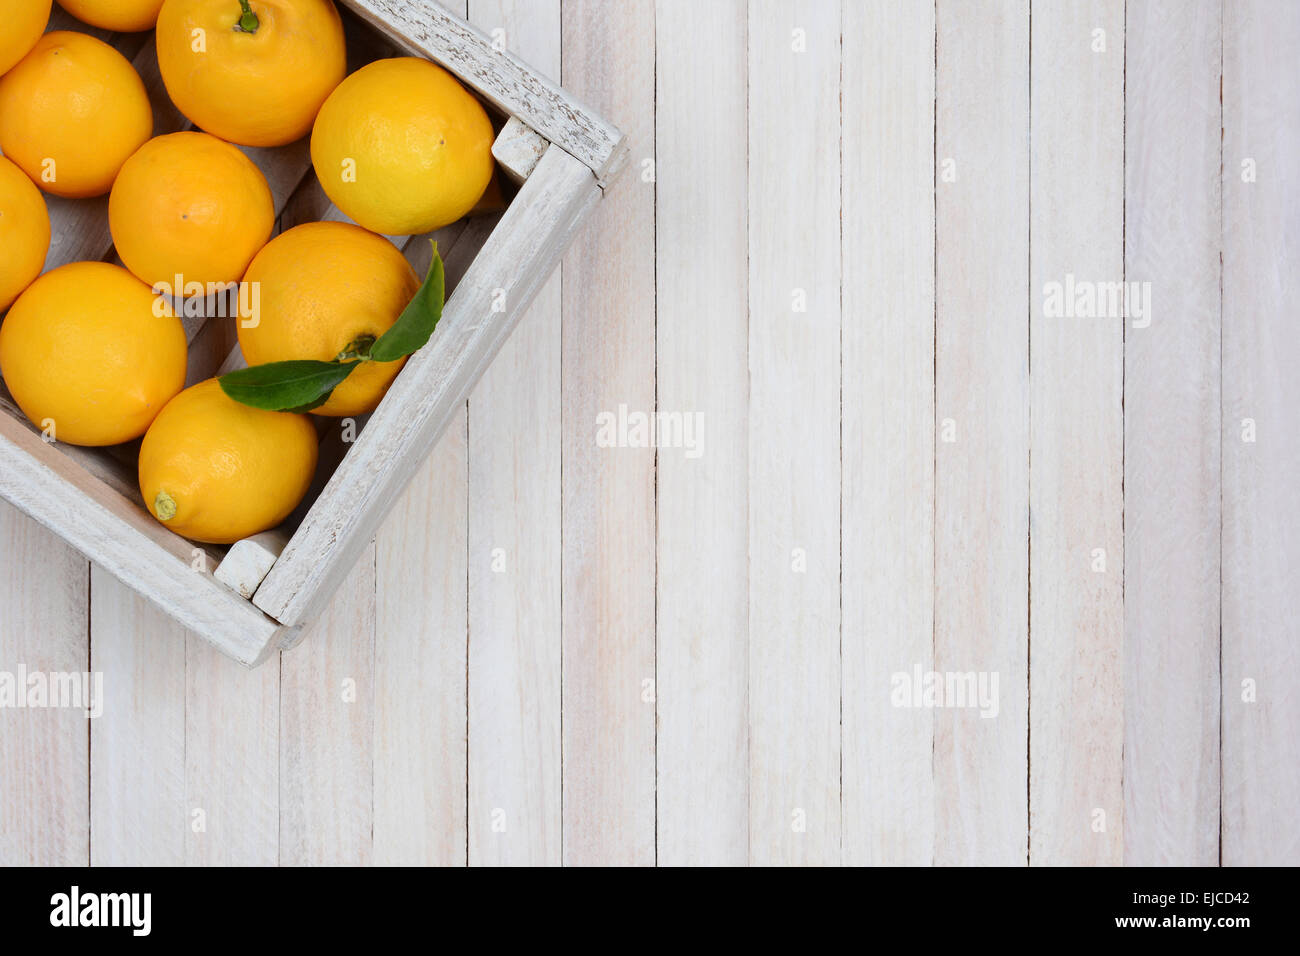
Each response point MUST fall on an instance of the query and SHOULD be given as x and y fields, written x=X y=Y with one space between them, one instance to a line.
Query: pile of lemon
x=93 y=353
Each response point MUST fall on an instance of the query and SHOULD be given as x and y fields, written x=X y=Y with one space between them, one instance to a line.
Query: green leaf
x=297 y=386
x=414 y=327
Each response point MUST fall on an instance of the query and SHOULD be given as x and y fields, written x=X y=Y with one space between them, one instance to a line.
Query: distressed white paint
x=794 y=432
x=518 y=148
x=327 y=732
x=702 y=611
x=1261 y=382
x=887 y=509
x=608 y=493
x=982 y=389
x=44 y=754
x=1076 y=440
x=1173 y=230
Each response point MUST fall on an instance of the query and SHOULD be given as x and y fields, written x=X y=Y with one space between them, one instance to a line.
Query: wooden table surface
x=831 y=271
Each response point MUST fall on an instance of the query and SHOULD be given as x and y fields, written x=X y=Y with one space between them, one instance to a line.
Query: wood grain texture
x=232 y=758
x=1261 y=470
x=1076 y=438
x=420 y=665
x=247 y=563
x=608 y=492
x=887 y=510
x=518 y=148
x=138 y=811
x=44 y=753
x=981 y=407
x=515 y=548
x=702 y=609
x=1173 y=229
x=794 y=432
x=327 y=732
x=430 y=30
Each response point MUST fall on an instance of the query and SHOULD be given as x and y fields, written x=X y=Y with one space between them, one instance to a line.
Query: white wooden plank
x=44 y=753
x=138 y=809
x=497 y=75
x=1261 y=469
x=514 y=545
x=702 y=607
x=327 y=722
x=420 y=667
x=608 y=492
x=421 y=637
x=232 y=757
x=1076 y=618
x=432 y=387
x=794 y=432
x=1173 y=228
x=888 y=428
x=981 y=402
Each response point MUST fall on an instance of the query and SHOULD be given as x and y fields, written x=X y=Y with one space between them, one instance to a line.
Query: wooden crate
x=260 y=595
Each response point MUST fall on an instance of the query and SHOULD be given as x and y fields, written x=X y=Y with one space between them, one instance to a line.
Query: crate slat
x=519 y=256
x=518 y=149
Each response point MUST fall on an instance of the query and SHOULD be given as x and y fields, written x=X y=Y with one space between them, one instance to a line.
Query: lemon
x=256 y=86
x=24 y=232
x=71 y=113
x=402 y=148
x=24 y=22
x=91 y=355
x=216 y=471
x=190 y=205
x=126 y=16
x=324 y=286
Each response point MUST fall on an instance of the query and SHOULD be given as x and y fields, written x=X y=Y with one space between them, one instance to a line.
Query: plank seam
x=934 y=397
x=1123 y=423
x=1222 y=241
x=1029 y=456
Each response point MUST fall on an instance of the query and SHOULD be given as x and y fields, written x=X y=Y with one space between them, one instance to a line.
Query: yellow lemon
x=24 y=22
x=71 y=113
x=24 y=232
x=214 y=470
x=189 y=205
x=91 y=354
x=320 y=288
x=255 y=78
x=402 y=147
x=126 y=16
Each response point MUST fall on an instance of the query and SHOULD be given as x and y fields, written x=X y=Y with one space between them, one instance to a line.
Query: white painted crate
x=260 y=595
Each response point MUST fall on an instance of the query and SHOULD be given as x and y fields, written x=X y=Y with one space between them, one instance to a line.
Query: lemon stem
x=358 y=348
x=164 y=506
x=248 y=22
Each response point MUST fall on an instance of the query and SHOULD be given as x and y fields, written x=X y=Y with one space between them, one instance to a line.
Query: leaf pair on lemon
x=305 y=384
